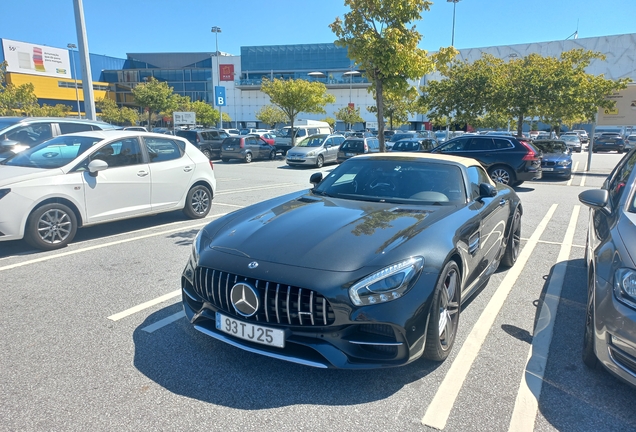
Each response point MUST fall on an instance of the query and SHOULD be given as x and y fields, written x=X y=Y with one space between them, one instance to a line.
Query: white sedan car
x=48 y=191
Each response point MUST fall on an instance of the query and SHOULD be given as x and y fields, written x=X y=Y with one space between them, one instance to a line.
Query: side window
x=313 y=131
x=160 y=149
x=329 y=142
x=205 y=136
x=120 y=153
x=213 y=135
x=339 y=140
x=455 y=145
x=481 y=144
x=476 y=176
x=301 y=133
x=31 y=135
x=223 y=135
x=502 y=143
x=67 y=128
x=618 y=182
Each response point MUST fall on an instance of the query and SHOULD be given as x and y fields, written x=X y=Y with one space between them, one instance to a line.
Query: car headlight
x=388 y=284
x=311 y=153
x=625 y=286
x=200 y=242
x=564 y=162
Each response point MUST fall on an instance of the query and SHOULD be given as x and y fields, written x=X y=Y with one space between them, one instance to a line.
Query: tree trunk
x=520 y=125
x=380 y=108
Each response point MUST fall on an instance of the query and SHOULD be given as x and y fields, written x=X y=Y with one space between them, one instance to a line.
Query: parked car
x=608 y=142
x=400 y=135
x=355 y=293
x=573 y=141
x=610 y=255
x=582 y=135
x=286 y=136
x=316 y=150
x=207 y=140
x=268 y=137
x=630 y=142
x=21 y=133
x=50 y=190
x=354 y=146
x=556 y=159
x=508 y=160
x=414 y=145
x=231 y=131
x=246 y=148
x=136 y=128
x=247 y=131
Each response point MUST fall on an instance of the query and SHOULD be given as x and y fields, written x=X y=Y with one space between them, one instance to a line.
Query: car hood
x=323 y=233
x=15 y=174
x=556 y=157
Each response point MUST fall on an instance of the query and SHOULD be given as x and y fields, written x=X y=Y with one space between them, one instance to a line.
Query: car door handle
x=187 y=168
x=142 y=173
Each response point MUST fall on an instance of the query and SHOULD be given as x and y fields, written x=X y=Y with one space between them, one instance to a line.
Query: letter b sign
x=219 y=96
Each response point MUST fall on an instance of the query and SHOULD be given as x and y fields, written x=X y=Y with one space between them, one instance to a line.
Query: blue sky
x=117 y=27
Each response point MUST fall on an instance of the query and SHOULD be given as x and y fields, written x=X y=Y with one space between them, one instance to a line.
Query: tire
x=619 y=151
x=272 y=155
x=514 y=241
x=51 y=226
x=588 y=355
x=198 y=202
x=207 y=153
x=225 y=159
x=502 y=174
x=320 y=161
x=248 y=157
x=443 y=318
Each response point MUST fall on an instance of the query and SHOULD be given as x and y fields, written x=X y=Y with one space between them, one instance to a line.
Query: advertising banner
x=184 y=118
x=624 y=113
x=33 y=59
x=227 y=72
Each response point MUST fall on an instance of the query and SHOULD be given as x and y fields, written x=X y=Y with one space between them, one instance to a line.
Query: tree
x=381 y=42
x=331 y=121
x=59 y=110
x=296 y=96
x=271 y=115
x=398 y=105
x=349 y=115
x=153 y=96
x=15 y=100
x=205 y=114
x=111 y=113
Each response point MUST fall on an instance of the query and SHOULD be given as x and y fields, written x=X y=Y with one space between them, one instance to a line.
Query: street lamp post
x=216 y=30
x=72 y=47
x=454 y=2
x=351 y=74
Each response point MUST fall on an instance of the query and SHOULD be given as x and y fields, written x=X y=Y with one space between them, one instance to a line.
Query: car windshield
x=406 y=146
x=54 y=153
x=353 y=146
x=551 y=146
x=402 y=180
x=569 y=137
x=315 y=141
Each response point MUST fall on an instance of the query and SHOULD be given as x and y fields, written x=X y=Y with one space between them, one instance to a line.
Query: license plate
x=548 y=169
x=229 y=148
x=250 y=332
x=349 y=154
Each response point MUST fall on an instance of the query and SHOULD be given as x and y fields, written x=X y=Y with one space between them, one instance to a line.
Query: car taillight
x=531 y=155
x=366 y=148
x=198 y=139
x=242 y=143
x=211 y=165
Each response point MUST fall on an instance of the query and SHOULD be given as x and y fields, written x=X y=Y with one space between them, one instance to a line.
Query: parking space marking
x=527 y=401
x=104 y=245
x=229 y=205
x=275 y=186
x=439 y=410
x=164 y=322
x=582 y=180
x=146 y=305
x=576 y=168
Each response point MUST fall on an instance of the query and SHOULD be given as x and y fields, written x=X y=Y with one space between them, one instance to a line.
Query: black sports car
x=367 y=269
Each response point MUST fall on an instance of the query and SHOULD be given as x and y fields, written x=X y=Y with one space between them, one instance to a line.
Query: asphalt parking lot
x=93 y=336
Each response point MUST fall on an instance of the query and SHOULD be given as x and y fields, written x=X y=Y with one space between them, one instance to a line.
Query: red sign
x=227 y=72
x=352 y=106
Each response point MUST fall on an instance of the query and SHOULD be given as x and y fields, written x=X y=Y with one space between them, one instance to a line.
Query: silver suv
x=316 y=150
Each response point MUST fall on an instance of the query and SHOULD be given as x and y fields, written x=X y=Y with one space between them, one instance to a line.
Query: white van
x=302 y=129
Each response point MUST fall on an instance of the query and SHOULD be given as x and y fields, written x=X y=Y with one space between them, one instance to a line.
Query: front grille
x=624 y=359
x=548 y=164
x=281 y=304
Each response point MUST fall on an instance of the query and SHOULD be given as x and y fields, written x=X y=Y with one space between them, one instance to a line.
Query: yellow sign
x=624 y=112
x=610 y=111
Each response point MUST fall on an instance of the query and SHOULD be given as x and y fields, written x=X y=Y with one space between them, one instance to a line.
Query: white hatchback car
x=48 y=191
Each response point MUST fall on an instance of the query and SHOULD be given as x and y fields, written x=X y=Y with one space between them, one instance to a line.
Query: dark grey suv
x=20 y=133
x=355 y=146
x=207 y=140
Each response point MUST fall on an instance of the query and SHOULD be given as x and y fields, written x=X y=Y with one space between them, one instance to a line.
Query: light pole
x=72 y=47
x=216 y=30
x=351 y=74
x=454 y=2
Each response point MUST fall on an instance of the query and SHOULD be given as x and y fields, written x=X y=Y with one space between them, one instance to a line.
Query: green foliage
x=59 y=110
x=296 y=96
x=349 y=115
x=16 y=100
x=111 y=113
x=491 y=92
x=205 y=114
x=153 y=96
x=271 y=115
x=398 y=104
x=331 y=121
x=382 y=43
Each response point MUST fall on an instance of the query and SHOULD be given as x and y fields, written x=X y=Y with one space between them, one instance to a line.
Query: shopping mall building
x=55 y=71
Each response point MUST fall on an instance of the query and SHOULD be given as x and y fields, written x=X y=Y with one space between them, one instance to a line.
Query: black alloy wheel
x=51 y=226
x=514 y=241
x=198 y=202
x=589 y=356
x=444 y=315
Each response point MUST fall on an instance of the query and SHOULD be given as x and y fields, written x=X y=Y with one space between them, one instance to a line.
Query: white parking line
x=527 y=402
x=274 y=186
x=146 y=305
x=164 y=322
x=582 y=180
x=439 y=410
x=228 y=205
x=576 y=168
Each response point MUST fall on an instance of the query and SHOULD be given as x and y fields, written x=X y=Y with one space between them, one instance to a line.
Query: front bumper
x=301 y=160
x=319 y=331
x=615 y=333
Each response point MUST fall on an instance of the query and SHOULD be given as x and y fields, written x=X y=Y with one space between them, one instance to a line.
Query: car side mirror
x=315 y=178
x=95 y=166
x=595 y=198
x=486 y=190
